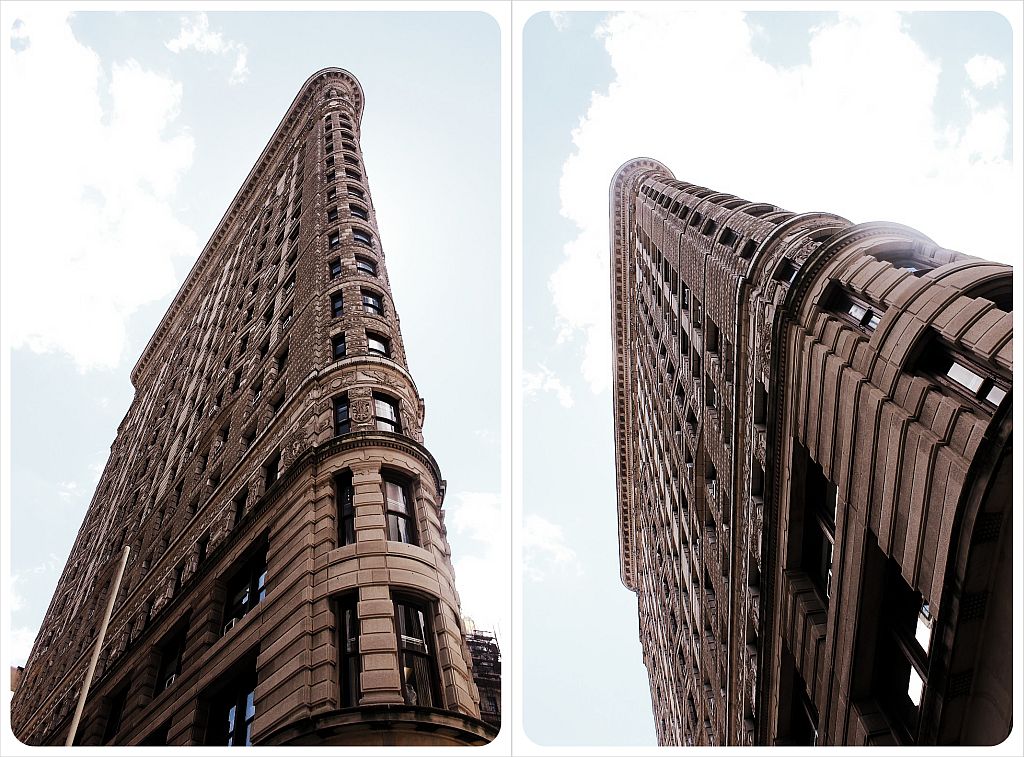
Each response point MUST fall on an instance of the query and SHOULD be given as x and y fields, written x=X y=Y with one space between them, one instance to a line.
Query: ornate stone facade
x=812 y=427
x=289 y=580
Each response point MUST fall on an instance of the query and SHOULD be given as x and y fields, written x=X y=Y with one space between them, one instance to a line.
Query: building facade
x=812 y=428
x=289 y=581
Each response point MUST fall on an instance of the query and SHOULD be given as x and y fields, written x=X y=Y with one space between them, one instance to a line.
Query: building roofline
x=265 y=158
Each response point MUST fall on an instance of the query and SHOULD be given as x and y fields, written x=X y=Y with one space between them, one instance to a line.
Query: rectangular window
x=239 y=503
x=246 y=589
x=377 y=344
x=342 y=423
x=786 y=271
x=233 y=710
x=338 y=346
x=334 y=240
x=344 y=495
x=416 y=653
x=901 y=641
x=385 y=411
x=334 y=268
x=819 y=499
x=171 y=651
x=115 y=713
x=332 y=214
x=337 y=304
x=271 y=470
x=348 y=644
x=372 y=303
x=158 y=737
x=366 y=266
x=401 y=522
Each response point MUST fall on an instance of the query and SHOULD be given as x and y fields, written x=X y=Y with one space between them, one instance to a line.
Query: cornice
x=621 y=191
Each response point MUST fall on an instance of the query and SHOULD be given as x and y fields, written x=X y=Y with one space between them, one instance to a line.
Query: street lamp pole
x=87 y=681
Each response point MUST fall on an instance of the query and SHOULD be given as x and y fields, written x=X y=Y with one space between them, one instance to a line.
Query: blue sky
x=888 y=116
x=876 y=116
x=125 y=137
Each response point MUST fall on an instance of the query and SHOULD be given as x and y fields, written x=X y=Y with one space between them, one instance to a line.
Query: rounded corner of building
x=632 y=165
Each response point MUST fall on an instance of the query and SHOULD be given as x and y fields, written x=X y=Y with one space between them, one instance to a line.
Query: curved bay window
x=399 y=509
x=385 y=411
x=344 y=495
x=416 y=654
x=348 y=646
x=342 y=423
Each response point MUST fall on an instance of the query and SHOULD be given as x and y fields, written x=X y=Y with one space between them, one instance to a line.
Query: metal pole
x=87 y=682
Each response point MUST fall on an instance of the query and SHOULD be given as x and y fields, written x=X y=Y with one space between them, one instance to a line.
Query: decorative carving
x=361 y=411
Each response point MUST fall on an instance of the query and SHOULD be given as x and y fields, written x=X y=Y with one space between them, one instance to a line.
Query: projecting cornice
x=352 y=92
x=621 y=194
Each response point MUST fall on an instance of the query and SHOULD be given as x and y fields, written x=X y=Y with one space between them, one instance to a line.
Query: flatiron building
x=288 y=578
x=813 y=449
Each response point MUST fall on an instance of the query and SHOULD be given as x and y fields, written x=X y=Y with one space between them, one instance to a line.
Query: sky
x=124 y=138
x=875 y=115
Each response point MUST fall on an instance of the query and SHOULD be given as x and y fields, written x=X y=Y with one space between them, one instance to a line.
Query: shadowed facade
x=813 y=451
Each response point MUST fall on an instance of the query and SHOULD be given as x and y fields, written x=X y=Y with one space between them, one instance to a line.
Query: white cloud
x=68 y=490
x=545 y=380
x=848 y=133
x=89 y=234
x=985 y=71
x=195 y=35
x=545 y=549
x=474 y=520
x=559 y=19
x=19 y=644
x=15 y=601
